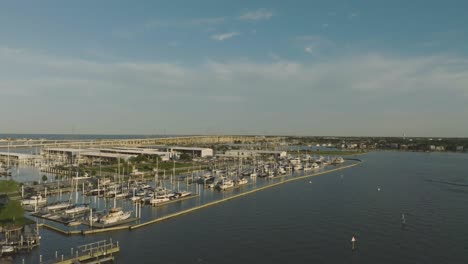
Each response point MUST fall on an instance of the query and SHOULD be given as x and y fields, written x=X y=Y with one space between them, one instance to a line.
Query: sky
x=340 y=68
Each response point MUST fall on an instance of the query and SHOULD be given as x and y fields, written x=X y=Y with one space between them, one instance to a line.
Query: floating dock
x=97 y=252
x=157 y=220
x=102 y=229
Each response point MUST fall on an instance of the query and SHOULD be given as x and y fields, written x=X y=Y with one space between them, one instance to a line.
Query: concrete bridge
x=183 y=140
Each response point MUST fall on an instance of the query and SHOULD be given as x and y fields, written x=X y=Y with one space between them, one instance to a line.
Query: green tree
x=44 y=178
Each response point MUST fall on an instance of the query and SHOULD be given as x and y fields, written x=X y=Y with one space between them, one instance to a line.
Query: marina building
x=71 y=155
x=192 y=151
x=19 y=157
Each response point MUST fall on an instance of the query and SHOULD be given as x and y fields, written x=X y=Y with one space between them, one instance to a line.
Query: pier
x=101 y=229
x=237 y=196
x=97 y=252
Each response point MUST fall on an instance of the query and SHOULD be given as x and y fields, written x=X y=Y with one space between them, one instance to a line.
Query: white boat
x=114 y=215
x=315 y=166
x=253 y=175
x=298 y=167
x=58 y=206
x=34 y=200
x=78 y=209
x=159 y=199
x=136 y=173
x=242 y=181
x=338 y=160
x=74 y=223
x=135 y=198
x=120 y=195
x=185 y=193
x=7 y=249
x=295 y=161
x=226 y=184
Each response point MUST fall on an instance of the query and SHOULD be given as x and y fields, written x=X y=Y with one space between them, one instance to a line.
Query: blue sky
x=234 y=67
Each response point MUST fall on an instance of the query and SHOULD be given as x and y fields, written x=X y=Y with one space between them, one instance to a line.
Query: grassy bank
x=9 y=186
x=13 y=214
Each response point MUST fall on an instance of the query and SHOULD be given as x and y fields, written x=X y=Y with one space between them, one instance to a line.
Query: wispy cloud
x=309 y=49
x=207 y=21
x=376 y=83
x=353 y=15
x=259 y=14
x=154 y=24
x=224 y=36
x=313 y=44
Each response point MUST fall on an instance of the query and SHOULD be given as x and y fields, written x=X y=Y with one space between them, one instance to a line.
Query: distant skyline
x=318 y=68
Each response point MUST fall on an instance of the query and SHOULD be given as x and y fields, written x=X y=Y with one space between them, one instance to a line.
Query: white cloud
x=260 y=14
x=309 y=49
x=353 y=15
x=153 y=24
x=206 y=21
x=313 y=43
x=224 y=36
x=376 y=83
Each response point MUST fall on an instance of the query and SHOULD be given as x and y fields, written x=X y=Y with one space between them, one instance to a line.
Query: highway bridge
x=182 y=140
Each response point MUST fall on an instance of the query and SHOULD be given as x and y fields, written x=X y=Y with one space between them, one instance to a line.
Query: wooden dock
x=157 y=220
x=96 y=252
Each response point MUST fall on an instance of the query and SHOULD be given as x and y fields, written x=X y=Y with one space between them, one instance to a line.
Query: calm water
x=302 y=222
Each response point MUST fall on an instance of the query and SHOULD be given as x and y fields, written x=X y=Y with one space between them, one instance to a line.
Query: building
x=440 y=148
x=18 y=157
x=148 y=152
x=197 y=152
x=192 y=151
x=74 y=156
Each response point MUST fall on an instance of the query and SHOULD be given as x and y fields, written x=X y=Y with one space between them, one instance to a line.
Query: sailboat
x=115 y=215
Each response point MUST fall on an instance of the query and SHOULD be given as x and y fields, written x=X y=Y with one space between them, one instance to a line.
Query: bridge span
x=182 y=140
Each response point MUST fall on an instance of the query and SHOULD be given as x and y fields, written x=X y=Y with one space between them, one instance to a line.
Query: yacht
x=78 y=209
x=242 y=181
x=282 y=170
x=120 y=195
x=34 y=200
x=159 y=199
x=74 y=223
x=58 y=206
x=7 y=250
x=114 y=215
x=226 y=184
x=184 y=193
x=338 y=160
x=298 y=167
